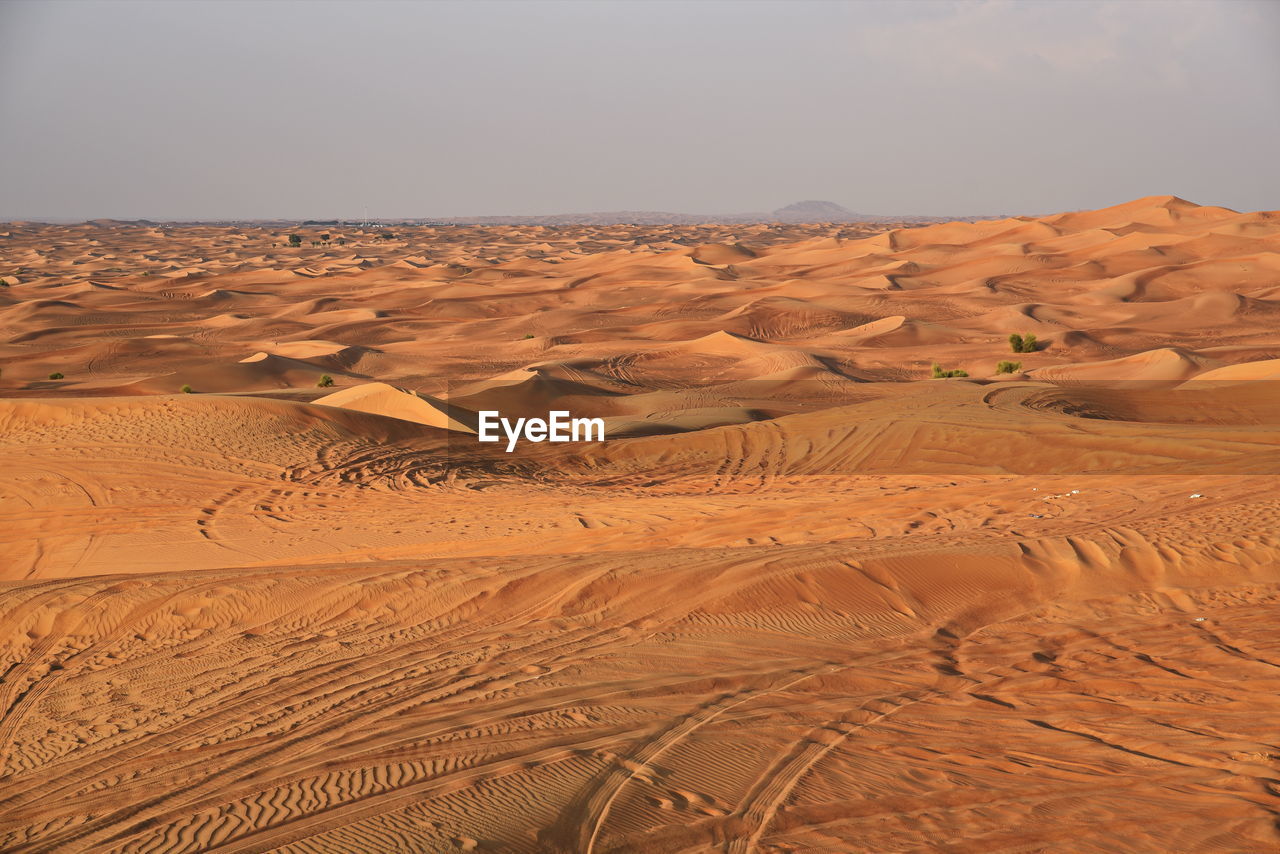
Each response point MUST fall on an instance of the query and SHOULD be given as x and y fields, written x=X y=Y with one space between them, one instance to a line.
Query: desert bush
x=1023 y=343
x=528 y=335
x=295 y=239
x=1007 y=367
x=56 y=375
x=186 y=389
x=940 y=373
x=325 y=381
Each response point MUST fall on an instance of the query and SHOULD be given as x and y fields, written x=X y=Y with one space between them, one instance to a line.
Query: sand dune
x=803 y=598
x=1267 y=369
x=1165 y=364
x=382 y=399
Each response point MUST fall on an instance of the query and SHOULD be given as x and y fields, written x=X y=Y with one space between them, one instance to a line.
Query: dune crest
x=382 y=399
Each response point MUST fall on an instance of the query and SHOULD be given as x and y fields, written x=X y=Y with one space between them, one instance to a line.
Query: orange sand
x=804 y=599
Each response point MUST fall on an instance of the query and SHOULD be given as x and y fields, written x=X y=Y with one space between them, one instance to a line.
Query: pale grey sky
x=236 y=109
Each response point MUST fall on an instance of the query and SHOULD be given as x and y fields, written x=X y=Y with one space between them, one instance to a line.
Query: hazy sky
x=227 y=109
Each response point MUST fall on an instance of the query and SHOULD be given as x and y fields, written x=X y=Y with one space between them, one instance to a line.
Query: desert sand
x=804 y=598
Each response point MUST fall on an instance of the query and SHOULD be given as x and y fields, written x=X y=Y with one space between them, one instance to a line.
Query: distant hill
x=799 y=212
x=814 y=211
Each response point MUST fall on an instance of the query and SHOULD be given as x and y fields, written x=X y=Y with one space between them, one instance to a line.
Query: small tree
x=186 y=389
x=325 y=381
x=1006 y=367
x=1015 y=343
x=295 y=239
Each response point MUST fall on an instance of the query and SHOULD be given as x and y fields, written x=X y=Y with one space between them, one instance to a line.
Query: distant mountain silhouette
x=811 y=210
x=815 y=211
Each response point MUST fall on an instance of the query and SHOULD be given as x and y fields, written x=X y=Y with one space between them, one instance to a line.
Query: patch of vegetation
x=325 y=381
x=1023 y=343
x=186 y=389
x=1007 y=367
x=56 y=375
x=527 y=336
x=939 y=373
x=295 y=239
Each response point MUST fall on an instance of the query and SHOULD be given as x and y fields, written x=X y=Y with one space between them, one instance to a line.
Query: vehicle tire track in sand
x=778 y=780
x=582 y=821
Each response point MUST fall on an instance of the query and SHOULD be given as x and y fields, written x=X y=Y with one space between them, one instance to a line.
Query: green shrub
x=1023 y=343
x=939 y=373
x=325 y=381
x=1006 y=367
x=528 y=336
x=295 y=239
x=186 y=389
